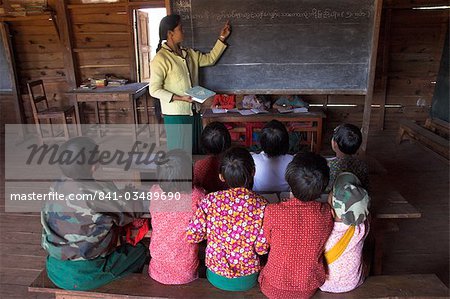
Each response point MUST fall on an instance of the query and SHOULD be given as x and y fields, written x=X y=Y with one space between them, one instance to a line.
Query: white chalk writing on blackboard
x=183 y=6
x=313 y=14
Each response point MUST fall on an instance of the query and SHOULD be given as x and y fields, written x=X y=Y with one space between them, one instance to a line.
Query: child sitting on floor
x=347 y=139
x=173 y=259
x=81 y=236
x=231 y=222
x=215 y=141
x=343 y=250
x=296 y=230
x=271 y=163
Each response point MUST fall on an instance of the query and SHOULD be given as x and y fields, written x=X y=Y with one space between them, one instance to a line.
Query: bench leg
x=401 y=135
x=378 y=255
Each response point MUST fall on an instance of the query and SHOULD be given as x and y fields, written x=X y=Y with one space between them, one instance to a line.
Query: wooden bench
x=411 y=130
x=438 y=126
x=394 y=206
x=141 y=286
x=389 y=207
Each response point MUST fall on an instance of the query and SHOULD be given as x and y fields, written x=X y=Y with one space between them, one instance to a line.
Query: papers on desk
x=252 y=111
x=219 y=110
x=240 y=111
x=293 y=110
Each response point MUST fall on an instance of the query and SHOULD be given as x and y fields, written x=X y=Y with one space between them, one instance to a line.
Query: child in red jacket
x=297 y=229
x=215 y=140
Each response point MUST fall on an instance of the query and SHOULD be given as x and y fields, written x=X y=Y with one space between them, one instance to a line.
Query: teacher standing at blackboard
x=173 y=71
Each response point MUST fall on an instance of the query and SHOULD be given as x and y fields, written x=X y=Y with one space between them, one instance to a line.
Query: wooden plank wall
x=102 y=44
x=38 y=54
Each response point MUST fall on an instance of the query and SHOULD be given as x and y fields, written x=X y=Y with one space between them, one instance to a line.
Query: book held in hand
x=199 y=94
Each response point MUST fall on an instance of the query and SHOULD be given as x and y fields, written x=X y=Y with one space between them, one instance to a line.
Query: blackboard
x=283 y=46
x=440 y=105
x=5 y=78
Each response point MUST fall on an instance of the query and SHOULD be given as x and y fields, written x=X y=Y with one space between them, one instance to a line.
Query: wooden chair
x=41 y=111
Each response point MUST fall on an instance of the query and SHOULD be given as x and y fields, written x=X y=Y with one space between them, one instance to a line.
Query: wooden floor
x=421 y=245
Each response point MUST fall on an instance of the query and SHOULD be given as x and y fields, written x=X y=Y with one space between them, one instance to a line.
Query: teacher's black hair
x=168 y=23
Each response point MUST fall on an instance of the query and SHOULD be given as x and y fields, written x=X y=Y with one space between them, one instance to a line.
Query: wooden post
x=168 y=7
x=385 y=67
x=372 y=63
x=131 y=12
x=66 y=35
x=9 y=53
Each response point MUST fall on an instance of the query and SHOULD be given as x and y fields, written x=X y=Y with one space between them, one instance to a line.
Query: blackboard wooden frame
x=367 y=92
x=284 y=46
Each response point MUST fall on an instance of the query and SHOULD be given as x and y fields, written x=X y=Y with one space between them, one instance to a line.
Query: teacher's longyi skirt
x=183 y=132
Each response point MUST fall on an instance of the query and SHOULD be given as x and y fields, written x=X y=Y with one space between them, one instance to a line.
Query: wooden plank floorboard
x=18 y=276
x=21 y=250
x=13 y=291
x=20 y=237
x=22 y=262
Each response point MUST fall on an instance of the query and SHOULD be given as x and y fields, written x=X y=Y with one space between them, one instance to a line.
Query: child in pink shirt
x=231 y=222
x=343 y=250
x=173 y=202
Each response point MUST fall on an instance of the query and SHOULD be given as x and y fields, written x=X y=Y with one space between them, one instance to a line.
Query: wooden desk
x=315 y=118
x=126 y=93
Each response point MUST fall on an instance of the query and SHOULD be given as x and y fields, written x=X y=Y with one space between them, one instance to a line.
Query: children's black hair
x=175 y=175
x=274 y=139
x=215 y=138
x=307 y=175
x=348 y=138
x=167 y=23
x=77 y=156
x=238 y=168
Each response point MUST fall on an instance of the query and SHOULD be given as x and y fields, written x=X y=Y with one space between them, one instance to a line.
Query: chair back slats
x=37 y=94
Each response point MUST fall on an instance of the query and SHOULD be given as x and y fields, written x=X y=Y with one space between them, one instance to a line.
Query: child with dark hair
x=347 y=139
x=296 y=230
x=271 y=163
x=215 y=141
x=81 y=236
x=231 y=222
x=174 y=260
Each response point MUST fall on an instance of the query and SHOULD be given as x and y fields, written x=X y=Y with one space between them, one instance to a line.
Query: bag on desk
x=224 y=101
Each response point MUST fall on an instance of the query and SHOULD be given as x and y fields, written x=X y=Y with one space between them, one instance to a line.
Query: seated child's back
x=81 y=236
x=231 y=222
x=347 y=139
x=215 y=141
x=296 y=230
x=343 y=250
x=173 y=259
x=271 y=163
